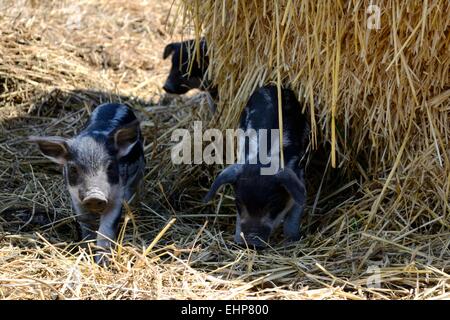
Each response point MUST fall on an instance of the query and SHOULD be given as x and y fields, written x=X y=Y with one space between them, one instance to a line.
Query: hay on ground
x=384 y=212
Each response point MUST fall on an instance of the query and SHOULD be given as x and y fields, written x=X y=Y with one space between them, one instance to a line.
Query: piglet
x=102 y=167
x=265 y=195
x=187 y=72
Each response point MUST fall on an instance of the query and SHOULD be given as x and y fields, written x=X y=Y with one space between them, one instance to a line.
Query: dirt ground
x=58 y=60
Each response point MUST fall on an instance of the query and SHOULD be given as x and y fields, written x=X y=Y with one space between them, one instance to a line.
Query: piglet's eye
x=112 y=171
x=276 y=208
x=72 y=173
x=111 y=168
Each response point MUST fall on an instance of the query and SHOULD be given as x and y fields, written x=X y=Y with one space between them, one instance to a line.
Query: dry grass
x=386 y=205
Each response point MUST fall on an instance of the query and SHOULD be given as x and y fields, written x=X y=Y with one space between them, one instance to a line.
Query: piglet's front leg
x=291 y=225
x=86 y=232
x=237 y=233
x=87 y=226
x=107 y=233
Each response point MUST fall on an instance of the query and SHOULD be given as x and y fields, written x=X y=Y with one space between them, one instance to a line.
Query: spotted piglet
x=102 y=166
x=186 y=72
x=266 y=195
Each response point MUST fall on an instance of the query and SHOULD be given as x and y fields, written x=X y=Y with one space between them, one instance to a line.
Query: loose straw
x=280 y=100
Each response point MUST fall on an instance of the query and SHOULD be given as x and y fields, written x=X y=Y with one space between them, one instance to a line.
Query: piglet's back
x=261 y=112
x=107 y=117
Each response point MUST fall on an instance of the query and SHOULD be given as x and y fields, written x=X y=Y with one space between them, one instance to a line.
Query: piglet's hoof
x=103 y=259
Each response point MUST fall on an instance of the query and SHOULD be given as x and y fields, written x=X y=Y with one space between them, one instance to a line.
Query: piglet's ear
x=289 y=180
x=54 y=148
x=125 y=138
x=169 y=49
x=228 y=175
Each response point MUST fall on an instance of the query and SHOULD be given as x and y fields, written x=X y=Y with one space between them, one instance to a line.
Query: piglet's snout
x=254 y=238
x=168 y=87
x=95 y=202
